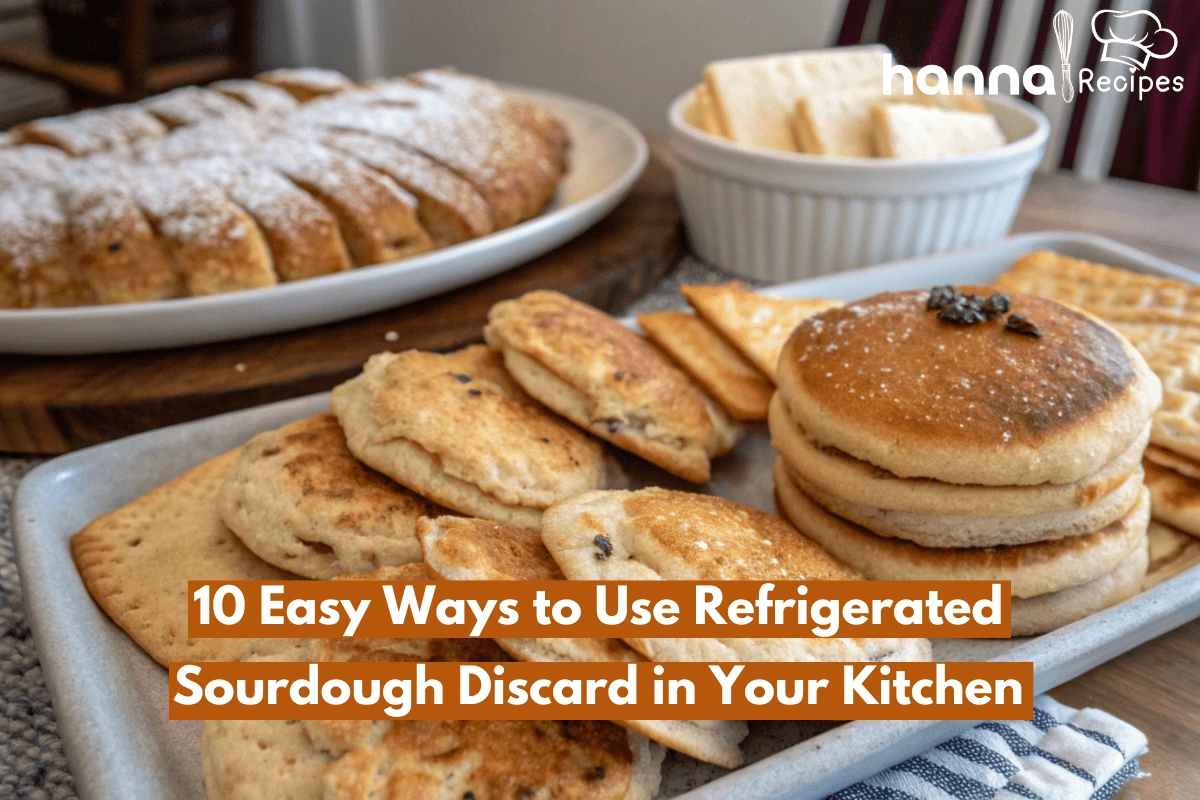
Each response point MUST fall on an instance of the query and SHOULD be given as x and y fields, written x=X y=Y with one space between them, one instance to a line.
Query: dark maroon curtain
x=919 y=32
x=1160 y=136
x=922 y=32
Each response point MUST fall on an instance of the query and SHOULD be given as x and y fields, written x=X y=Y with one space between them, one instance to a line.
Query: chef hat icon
x=1132 y=37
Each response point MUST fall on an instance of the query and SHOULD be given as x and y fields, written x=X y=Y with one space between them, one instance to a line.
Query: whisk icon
x=1064 y=28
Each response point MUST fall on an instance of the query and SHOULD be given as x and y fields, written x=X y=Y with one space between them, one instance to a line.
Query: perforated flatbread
x=656 y=534
x=453 y=431
x=457 y=548
x=1161 y=316
x=136 y=562
x=716 y=365
x=300 y=500
x=1116 y=295
x=756 y=324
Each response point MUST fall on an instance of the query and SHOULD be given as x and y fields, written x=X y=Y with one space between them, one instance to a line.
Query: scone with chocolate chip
x=602 y=376
x=454 y=429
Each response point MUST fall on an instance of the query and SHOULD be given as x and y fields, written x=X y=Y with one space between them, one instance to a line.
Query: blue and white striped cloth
x=1063 y=754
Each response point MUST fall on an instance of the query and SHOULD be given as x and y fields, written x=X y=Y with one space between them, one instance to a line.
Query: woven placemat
x=32 y=765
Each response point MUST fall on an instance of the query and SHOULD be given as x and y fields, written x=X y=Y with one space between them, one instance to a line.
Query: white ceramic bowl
x=776 y=216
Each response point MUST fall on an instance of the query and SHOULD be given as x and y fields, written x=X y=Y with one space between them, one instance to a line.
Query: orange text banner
x=599 y=609
x=561 y=691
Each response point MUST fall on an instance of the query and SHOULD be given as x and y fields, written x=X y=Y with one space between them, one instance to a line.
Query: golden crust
x=115 y=247
x=656 y=534
x=306 y=83
x=378 y=219
x=457 y=548
x=448 y=206
x=303 y=236
x=1174 y=497
x=216 y=246
x=357 y=759
x=610 y=381
x=488 y=97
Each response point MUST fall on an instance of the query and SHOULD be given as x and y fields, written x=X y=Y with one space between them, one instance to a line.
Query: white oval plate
x=607 y=156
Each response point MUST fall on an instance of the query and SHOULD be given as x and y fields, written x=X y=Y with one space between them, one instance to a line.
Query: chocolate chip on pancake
x=884 y=380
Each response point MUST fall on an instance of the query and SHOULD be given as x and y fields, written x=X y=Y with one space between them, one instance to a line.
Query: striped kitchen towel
x=1063 y=754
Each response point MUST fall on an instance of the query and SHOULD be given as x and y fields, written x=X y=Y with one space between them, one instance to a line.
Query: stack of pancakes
x=916 y=446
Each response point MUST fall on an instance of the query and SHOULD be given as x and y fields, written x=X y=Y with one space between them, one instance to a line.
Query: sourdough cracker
x=136 y=562
x=756 y=324
x=756 y=97
x=717 y=366
x=904 y=130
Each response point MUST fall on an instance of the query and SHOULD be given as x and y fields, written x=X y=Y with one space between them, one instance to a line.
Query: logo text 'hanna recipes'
x=1129 y=38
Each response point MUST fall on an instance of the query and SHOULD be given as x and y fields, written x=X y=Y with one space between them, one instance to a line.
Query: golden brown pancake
x=886 y=381
x=1034 y=569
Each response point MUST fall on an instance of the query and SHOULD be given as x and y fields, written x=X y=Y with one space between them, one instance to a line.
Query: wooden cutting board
x=56 y=404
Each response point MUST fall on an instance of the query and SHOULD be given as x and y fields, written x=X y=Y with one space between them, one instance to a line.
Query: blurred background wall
x=631 y=55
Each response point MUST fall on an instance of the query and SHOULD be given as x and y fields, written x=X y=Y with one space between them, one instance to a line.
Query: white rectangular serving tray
x=111 y=699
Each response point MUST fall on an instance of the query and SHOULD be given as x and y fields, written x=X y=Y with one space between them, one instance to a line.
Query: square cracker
x=709 y=358
x=1160 y=316
x=755 y=98
x=839 y=123
x=906 y=130
x=702 y=112
x=1115 y=295
x=756 y=324
x=136 y=562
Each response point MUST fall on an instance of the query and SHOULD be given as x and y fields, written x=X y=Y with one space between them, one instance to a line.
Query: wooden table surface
x=1156 y=686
